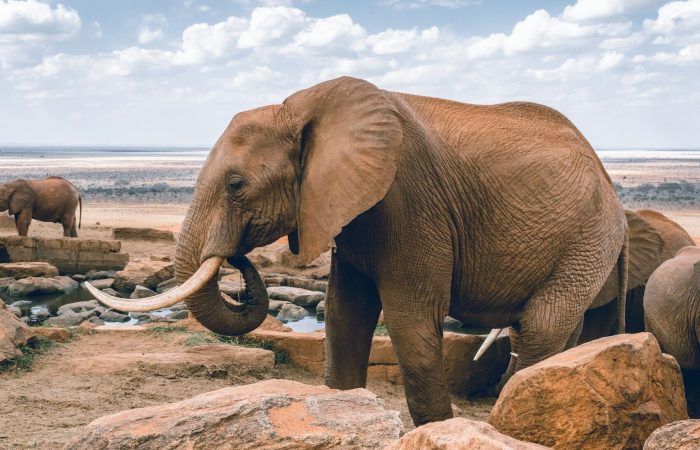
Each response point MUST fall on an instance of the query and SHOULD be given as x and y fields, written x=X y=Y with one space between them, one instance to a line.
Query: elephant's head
x=16 y=196
x=304 y=168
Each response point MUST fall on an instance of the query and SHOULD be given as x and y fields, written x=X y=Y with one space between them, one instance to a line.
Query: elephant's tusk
x=493 y=334
x=205 y=272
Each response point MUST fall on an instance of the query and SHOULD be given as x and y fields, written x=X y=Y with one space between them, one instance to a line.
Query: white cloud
x=32 y=20
x=686 y=55
x=268 y=24
x=540 y=30
x=599 y=9
x=202 y=42
x=147 y=35
x=583 y=66
x=329 y=32
x=675 y=20
x=391 y=41
x=413 y=4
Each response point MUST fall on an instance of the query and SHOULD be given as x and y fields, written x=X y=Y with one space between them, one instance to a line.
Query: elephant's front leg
x=414 y=320
x=352 y=311
x=22 y=221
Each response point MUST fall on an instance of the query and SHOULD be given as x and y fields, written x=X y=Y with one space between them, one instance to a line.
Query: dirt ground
x=46 y=406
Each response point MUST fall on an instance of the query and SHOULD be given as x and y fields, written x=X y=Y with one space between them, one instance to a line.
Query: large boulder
x=19 y=270
x=269 y=414
x=298 y=296
x=13 y=334
x=77 y=307
x=71 y=319
x=459 y=434
x=145 y=273
x=608 y=393
x=42 y=286
x=681 y=435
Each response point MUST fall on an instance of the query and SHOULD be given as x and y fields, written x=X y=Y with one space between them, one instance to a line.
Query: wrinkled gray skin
x=498 y=215
x=653 y=239
x=672 y=314
x=52 y=199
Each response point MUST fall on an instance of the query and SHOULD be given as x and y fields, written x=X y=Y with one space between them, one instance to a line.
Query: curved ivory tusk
x=490 y=339
x=205 y=272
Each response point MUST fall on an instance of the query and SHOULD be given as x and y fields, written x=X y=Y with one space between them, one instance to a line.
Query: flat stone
x=102 y=283
x=275 y=305
x=146 y=234
x=289 y=312
x=112 y=292
x=19 y=270
x=219 y=357
x=178 y=315
x=113 y=316
x=70 y=319
x=87 y=305
x=41 y=286
x=298 y=296
x=142 y=292
x=79 y=277
x=166 y=285
x=145 y=273
x=265 y=415
x=53 y=333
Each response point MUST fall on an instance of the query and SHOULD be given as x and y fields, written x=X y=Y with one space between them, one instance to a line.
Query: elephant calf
x=52 y=199
x=672 y=314
x=653 y=239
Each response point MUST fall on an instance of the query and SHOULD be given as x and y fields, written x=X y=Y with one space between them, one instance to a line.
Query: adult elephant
x=52 y=199
x=672 y=314
x=654 y=239
x=498 y=215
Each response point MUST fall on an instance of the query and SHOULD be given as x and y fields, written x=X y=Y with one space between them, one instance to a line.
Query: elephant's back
x=506 y=133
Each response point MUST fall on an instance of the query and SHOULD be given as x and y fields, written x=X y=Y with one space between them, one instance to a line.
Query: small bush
x=165 y=329
x=381 y=330
x=36 y=347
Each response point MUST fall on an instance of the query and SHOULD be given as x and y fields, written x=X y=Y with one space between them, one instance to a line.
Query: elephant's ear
x=349 y=135
x=22 y=198
x=696 y=277
x=644 y=249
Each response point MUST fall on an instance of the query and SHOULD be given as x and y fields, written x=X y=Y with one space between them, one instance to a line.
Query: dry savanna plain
x=46 y=401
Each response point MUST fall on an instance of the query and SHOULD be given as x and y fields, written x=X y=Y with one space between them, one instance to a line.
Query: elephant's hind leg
x=68 y=223
x=552 y=320
x=352 y=311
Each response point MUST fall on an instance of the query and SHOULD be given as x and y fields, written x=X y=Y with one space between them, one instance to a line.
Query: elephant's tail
x=622 y=270
x=80 y=202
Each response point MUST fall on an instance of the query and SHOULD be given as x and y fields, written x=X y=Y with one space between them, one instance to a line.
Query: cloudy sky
x=173 y=72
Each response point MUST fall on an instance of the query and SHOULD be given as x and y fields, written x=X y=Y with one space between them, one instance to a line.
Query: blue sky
x=130 y=72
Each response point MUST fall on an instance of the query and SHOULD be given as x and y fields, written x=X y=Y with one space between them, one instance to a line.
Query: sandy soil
x=46 y=406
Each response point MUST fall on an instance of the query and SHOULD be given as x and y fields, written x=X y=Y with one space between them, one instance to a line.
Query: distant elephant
x=498 y=215
x=654 y=239
x=52 y=199
x=672 y=314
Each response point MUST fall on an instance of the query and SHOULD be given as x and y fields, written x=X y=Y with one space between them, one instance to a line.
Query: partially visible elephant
x=672 y=314
x=52 y=199
x=654 y=239
x=498 y=215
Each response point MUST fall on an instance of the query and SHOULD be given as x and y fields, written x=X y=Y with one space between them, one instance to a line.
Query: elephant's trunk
x=207 y=304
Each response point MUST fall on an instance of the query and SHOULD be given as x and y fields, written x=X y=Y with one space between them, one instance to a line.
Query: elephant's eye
x=234 y=183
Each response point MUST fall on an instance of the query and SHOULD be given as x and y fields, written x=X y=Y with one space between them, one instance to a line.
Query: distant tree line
x=680 y=195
